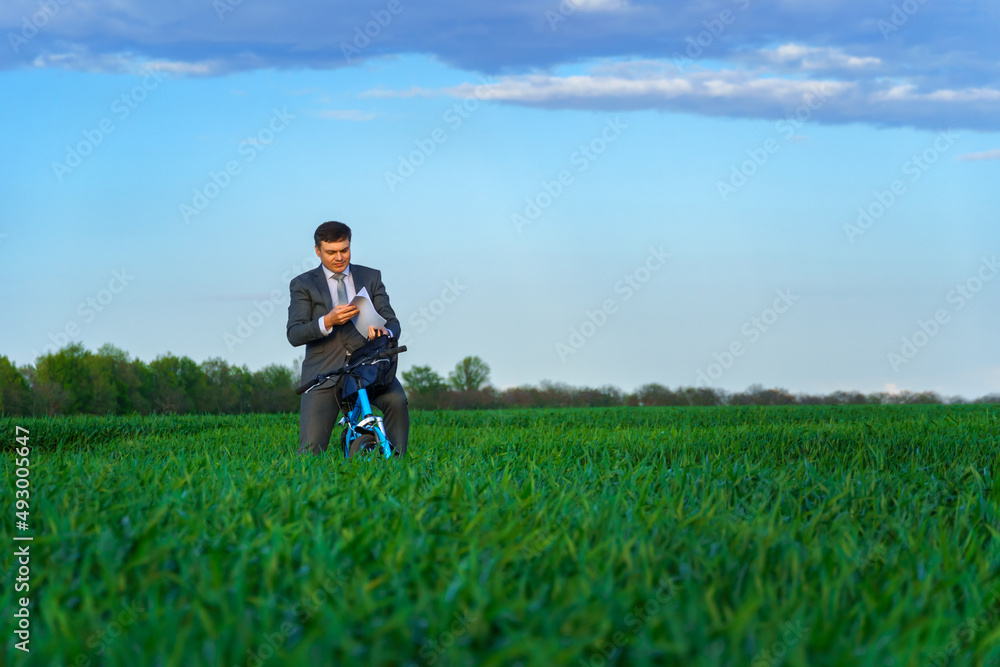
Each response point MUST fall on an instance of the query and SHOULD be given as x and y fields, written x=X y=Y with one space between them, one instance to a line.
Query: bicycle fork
x=361 y=418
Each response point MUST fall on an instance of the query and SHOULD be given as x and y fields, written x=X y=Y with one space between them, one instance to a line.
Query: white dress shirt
x=331 y=283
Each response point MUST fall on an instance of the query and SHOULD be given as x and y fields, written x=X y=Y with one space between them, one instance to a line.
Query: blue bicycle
x=372 y=364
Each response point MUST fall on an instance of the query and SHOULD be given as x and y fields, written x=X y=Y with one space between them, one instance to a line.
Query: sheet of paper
x=367 y=315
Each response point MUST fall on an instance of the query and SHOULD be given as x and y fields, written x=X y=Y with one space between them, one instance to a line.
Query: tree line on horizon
x=468 y=387
x=74 y=380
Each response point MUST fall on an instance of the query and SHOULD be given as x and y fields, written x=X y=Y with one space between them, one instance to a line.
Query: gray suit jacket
x=310 y=300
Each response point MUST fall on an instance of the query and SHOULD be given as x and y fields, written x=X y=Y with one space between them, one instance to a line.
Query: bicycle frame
x=359 y=420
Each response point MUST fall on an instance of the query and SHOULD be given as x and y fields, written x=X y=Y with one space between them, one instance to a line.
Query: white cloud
x=814 y=58
x=906 y=92
x=986 y=155
x=965 y=95
x=900 y=92
x=600 y=5
x=650 y=83
x=204 y=68
x=748 y=92
x=126 y=64
x=539 y=88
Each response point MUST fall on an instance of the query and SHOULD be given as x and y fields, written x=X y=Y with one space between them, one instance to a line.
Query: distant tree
x=472 y=399
x=274 y=390
x=423 y=380
x=756 y=394
x=656 y=394
x=63 y=383
x=925 y=398
x=425 y=388
x=117 y=382
x=846 y=398
x=470 y=374
x=177 y=385
x=879 y=398
x=910 y=398
x=524 y=396
x=556 y=394
x=15 y=393
x=601 y=397
x=775 y=396
x=702 y=396
x=227 y=388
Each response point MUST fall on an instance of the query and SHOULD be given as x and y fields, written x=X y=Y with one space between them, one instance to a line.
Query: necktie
x=341 y=289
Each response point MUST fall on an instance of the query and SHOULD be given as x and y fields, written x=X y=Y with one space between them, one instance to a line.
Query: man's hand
x=339 y=315
x=375 y=333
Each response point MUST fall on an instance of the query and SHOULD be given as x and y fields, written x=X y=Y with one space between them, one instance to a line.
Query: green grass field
x=628 y=536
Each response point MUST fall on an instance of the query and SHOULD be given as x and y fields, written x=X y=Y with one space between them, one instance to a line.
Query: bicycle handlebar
x=301 y=390
x=384 y=354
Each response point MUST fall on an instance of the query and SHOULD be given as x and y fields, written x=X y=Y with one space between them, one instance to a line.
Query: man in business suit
x=319 y=317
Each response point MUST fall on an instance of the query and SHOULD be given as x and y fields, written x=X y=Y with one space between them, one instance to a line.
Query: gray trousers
x=320 y=410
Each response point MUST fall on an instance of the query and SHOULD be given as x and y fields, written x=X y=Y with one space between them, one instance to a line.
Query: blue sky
x=594 y=192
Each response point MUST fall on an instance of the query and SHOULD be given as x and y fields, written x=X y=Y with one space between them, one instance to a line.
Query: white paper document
x=367 y=315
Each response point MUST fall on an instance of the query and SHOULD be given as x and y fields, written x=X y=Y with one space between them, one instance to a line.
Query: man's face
x=335 y=255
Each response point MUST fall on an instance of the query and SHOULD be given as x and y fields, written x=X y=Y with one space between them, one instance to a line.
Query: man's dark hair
x=332 y=232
